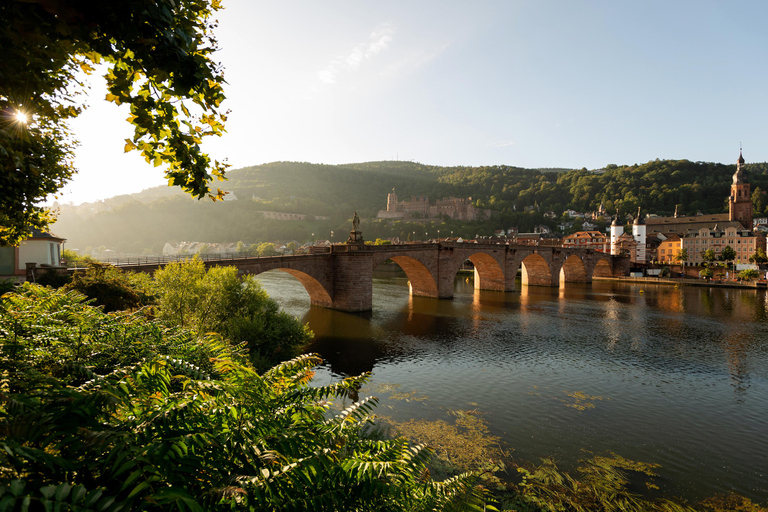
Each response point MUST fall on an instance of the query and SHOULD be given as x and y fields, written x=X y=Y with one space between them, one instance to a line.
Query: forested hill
x=151 y=218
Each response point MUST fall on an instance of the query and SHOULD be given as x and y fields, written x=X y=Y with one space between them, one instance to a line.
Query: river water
x=674 y=376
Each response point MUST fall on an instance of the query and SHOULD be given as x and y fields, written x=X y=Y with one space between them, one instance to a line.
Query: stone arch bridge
x=341 y=276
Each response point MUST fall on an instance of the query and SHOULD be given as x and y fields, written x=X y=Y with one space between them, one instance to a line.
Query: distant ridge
x=147 y=220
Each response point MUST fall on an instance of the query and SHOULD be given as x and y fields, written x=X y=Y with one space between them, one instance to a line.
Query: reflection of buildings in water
x=477 y=306
x=764 y=306
x=638 y=313
x=612 y=324
x=671 y=299
x=734 y=305
x=736 y=347
x=754 y=305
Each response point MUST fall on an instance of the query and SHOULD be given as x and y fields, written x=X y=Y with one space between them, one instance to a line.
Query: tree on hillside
x=157 y=56
x=758 y=201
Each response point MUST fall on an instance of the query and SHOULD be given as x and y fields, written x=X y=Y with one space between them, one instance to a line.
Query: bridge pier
x=352 y=282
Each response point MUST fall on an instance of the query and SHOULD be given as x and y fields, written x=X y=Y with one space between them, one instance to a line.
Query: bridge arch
x=574 y=270
x=421 y=280
x=602 y=268
x=489 y=274
x=317 y=286
x=535 y=271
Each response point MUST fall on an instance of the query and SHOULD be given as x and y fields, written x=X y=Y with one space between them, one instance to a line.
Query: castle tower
x=617 y=229
x=392 y=201
x=638 y=231
x=740 y=202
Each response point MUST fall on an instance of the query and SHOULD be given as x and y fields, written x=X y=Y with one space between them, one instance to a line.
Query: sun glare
x=21 y=117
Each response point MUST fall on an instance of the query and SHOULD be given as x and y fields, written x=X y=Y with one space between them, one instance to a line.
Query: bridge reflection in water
x=340 y=276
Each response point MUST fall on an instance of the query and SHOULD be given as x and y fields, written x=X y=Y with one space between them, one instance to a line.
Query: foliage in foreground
x=217 y=300
x=101 y=421
x=157 y=57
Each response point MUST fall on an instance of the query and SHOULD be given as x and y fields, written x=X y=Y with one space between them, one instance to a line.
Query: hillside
x=147 y=220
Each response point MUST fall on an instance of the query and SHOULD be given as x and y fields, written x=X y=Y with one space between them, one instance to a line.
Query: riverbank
x=761 y=284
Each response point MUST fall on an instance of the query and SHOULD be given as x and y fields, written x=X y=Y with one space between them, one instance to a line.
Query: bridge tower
x=617 y=229
x=638 y=231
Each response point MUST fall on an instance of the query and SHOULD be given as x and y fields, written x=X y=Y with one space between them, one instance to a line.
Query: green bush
x=749 y=274
x=217 y=300
x=112 y=288
x=74 y=260
x=7 y=285
x=51 y=277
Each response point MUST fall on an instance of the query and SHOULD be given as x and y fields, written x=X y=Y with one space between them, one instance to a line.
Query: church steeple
x=740 y=202
x=740 y=176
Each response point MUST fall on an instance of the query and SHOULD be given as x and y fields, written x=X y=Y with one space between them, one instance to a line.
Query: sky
x=526 y=83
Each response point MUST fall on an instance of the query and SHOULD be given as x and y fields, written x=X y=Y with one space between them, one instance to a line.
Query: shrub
x=51 y=277
x=749 y=274
x=112 y=288
x=217 y=300
x=74 y=260
x=141 y=427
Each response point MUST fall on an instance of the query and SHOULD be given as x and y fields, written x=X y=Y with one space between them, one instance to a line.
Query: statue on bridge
x=355 y=236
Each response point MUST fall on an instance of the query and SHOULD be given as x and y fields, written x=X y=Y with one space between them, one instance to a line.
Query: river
x=674 y=376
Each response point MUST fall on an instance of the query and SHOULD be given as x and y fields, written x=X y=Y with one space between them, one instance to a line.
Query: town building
x=538 y=239
x=739 y=214
x=743 y=241
x=589 y=240
x=669 y=249
x=698 y=233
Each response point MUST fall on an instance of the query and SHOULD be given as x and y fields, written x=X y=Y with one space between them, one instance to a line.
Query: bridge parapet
x=340 y=276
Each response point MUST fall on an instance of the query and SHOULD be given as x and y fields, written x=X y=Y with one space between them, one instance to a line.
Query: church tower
x=740 y=202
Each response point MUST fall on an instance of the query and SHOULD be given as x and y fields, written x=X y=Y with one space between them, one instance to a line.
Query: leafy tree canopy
x=157 y=56
x=728 y=253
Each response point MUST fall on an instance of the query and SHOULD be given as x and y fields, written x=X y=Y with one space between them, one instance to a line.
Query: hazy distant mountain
x=149 y=219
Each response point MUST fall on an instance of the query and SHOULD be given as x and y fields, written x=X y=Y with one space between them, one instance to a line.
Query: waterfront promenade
x=687 y=281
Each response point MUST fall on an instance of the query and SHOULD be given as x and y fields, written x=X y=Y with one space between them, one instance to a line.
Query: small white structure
x=617 y=229
x=43 y=249
x=638 y=231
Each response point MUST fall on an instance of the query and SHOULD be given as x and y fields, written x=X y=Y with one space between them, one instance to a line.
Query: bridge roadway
x=341 y=276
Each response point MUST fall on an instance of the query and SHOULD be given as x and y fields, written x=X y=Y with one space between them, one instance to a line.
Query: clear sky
x=528 y=83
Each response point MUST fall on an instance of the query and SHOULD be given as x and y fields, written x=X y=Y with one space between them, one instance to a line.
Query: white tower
x=617 y=229
x=638 y=231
